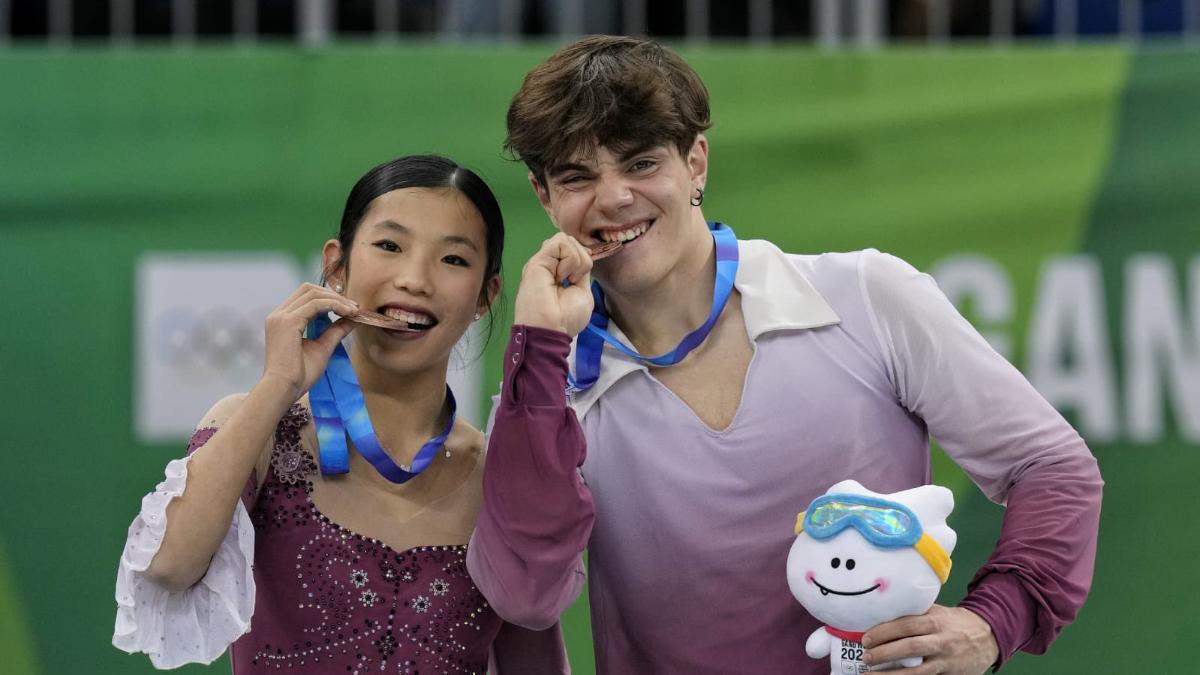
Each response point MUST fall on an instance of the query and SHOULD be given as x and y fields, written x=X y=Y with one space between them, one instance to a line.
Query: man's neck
x=657 y=319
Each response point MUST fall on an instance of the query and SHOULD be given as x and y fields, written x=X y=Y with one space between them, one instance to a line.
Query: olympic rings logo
x=220 y=340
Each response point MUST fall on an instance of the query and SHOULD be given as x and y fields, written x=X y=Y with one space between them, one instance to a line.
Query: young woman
x=348 y=551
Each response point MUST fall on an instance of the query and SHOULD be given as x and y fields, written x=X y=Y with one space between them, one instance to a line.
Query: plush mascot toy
x=862 y=558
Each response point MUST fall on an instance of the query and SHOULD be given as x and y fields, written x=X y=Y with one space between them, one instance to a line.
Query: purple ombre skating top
x=858 y=360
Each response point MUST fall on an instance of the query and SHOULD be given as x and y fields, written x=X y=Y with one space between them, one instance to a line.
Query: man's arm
x=1011 y=442
x=526 y=553
x=518 y=651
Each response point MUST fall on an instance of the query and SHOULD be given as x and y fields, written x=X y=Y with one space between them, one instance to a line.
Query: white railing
x=835 y=23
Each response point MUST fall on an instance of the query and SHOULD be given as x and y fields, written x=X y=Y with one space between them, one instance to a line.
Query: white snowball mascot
x=862 y=558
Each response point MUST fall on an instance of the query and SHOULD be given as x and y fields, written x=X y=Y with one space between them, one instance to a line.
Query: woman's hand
x=293 y=360
x=542 y=300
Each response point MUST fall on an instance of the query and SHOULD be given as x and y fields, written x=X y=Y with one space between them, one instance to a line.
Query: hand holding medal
x=555 y=291
x=299 y=362
x=291 y=359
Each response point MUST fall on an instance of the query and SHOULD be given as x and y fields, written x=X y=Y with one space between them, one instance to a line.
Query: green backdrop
x=1023 y=156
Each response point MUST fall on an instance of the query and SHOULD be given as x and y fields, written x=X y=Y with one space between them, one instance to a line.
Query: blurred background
x=170 y=168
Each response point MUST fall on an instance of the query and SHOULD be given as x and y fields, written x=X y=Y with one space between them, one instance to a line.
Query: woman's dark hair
x=423 y=171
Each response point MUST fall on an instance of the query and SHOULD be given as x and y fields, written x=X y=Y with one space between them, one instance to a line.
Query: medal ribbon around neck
x=339 y=409
x=590 y=343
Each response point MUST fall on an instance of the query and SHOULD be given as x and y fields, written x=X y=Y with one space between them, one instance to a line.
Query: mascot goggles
x=884 y=523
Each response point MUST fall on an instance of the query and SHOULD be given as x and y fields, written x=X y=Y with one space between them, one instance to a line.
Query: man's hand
x=952 y=640
x=542 y=298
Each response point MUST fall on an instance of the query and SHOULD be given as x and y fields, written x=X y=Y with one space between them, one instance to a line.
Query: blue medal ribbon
x=339 y=408
x=590 y=344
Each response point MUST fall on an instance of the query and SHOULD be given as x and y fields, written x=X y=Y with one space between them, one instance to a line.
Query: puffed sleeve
x=196 y=625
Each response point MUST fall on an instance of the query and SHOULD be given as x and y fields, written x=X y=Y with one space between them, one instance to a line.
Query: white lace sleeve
x=192 y=626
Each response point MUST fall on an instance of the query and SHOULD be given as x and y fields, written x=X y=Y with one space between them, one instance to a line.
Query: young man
x=682 y=477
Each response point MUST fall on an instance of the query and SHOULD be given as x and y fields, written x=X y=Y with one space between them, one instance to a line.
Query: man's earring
x=699 y=198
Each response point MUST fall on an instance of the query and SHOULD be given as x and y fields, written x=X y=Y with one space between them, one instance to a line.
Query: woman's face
x=419 y=255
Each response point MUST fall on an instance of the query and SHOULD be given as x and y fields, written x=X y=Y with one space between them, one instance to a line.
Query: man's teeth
x=401 y=315
x=624 y=235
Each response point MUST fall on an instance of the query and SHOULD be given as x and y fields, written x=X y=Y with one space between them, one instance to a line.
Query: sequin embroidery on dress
x=330 y=600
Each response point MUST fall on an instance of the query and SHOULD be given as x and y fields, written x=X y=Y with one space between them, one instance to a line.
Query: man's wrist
x=1001 y=600
x=535 y=366
x=537 y=320
x=988 y=638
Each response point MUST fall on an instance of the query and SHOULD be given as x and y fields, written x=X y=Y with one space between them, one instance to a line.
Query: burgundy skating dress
x=332 y=601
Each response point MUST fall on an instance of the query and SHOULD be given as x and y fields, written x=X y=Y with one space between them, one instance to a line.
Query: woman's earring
x=699 y=198
x=477 y=316
x=337 y=288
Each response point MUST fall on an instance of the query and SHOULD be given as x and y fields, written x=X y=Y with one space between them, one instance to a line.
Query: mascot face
x=862 y=558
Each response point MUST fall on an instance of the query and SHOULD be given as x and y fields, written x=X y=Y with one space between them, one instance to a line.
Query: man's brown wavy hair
x=625 y=94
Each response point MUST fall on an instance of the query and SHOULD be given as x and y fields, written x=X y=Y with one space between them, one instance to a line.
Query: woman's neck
x=406 y=409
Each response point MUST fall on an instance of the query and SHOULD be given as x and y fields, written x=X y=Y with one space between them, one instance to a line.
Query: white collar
x=775 y=296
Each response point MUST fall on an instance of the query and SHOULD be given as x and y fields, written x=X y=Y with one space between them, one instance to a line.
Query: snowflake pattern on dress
x=331 y=600
x=290 y=462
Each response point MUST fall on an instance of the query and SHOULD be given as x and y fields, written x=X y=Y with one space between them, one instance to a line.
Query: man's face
x=640 y=197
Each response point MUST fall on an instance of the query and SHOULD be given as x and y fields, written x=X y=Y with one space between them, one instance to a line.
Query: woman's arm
x=198 y=519
x=185 y=585
x=217 y=473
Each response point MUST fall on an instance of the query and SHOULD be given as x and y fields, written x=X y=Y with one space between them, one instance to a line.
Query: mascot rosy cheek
x=862 y=558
